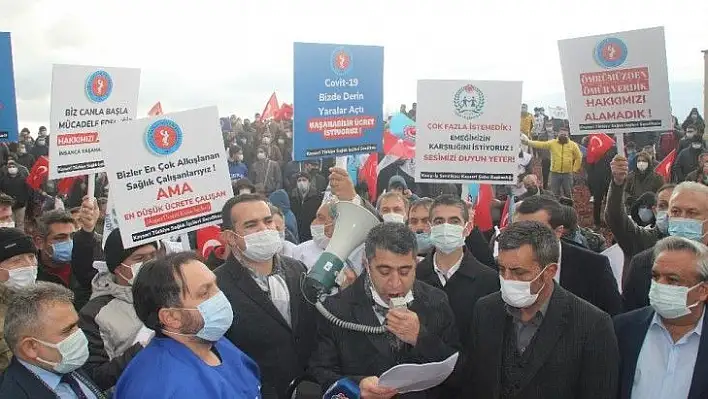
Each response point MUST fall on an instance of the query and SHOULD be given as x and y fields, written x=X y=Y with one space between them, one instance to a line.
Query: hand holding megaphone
x=341 y=185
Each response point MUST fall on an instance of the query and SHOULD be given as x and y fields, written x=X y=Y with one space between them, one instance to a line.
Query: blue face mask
x=690 y=229
x=662 y=221
x=218 y=317
x=424 y=243
x=61 y=251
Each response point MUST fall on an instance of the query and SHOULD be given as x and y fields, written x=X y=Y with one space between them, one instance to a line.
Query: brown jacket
x=5 y=353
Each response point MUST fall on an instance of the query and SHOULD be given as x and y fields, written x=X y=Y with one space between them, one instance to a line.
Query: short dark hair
x=159 y=285
x=234 y=149
x=542 y=240
x=6 y=200
x=537 y=203
x=393 y=237
x=667 y=186
x=227 y=223
x=450 y=200
x=424 y=202
x=570 y=217
x=50 y=218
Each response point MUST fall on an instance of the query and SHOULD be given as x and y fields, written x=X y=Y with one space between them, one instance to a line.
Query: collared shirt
x=53 y=382
x=664 y=368
x=275 y=286
x=445 y=276
x=526 y=330
x=557 y=277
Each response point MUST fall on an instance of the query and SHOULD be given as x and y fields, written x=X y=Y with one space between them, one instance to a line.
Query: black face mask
x=562 y=139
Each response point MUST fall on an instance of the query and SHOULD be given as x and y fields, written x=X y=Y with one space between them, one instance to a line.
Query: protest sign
x=467 y=131
x=339 y=100
x=8 y=103
x=110 y=221
x=168 y=174
x=84 y=100
x=616 y=83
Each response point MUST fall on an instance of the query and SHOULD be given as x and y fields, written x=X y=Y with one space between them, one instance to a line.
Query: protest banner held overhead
x=467 y=131
x=168 y=174
x=616 y=83
x=8 y=103
x=84 y=100
x=338 y=100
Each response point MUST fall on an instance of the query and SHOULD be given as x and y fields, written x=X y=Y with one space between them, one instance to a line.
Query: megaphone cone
x=353 y=223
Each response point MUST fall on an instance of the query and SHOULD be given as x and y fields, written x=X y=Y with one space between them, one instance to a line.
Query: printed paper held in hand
x=418 y=377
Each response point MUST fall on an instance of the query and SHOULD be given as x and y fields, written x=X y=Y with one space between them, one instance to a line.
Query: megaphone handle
x=346 y=324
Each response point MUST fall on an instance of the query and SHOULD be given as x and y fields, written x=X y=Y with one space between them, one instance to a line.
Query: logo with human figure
x=341 y=61
x=99 y=86
x=163 y=137
x=610 y=53
x=469 y=102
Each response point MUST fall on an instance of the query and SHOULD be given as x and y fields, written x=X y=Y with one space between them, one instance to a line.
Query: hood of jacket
x=280 y=199
x=104 y=283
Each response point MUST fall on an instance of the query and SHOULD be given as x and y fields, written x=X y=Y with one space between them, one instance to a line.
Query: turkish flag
x=396 y=146
x=271 y=108
x=483 y=208
x=368 y=173
x=209 y=240
x=598 y=145
x=507 y=212
x=155 y=110
x=664 y=168
x=285 y=112
x=39 y=172
x=64 y=186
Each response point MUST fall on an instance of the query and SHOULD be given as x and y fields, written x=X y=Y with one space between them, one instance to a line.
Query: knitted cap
x=116 y=253
x=14 y=242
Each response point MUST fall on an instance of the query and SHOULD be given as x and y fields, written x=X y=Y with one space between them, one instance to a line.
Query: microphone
x=342 y=389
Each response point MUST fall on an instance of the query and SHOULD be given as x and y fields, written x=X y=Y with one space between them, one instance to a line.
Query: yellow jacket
x=527 y=124
x=565 y=158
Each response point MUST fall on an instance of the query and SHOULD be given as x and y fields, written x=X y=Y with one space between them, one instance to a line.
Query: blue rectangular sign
x=8 y=104
x=338 y=100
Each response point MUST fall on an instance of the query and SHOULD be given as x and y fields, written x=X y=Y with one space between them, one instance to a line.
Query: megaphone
x=353 y=223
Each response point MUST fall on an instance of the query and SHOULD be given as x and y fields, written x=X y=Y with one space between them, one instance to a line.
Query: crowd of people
x=533 y=308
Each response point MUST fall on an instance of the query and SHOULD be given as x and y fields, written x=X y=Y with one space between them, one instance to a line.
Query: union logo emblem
x=99 y=86
x=163 y=137
x=469 y=102
x=341 y=61
x=610 y=53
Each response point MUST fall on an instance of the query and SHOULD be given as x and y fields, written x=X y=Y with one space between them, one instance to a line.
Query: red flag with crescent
x=271 y=108
x=39 y=172
x=598 y=145
x=208 y=241
x=664 y=168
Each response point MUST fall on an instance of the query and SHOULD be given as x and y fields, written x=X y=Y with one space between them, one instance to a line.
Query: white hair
x=690 y=186
x=674 y=243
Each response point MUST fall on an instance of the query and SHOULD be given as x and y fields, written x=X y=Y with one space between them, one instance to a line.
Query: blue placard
x=8 y=104
x=338 y=100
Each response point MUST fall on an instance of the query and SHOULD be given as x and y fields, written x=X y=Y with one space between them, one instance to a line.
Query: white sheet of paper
x=418 y=377
x=144 y=335
x=616 y=257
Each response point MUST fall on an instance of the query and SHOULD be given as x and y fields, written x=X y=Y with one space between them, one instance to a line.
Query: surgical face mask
x=244 y=191
x=12 y=170
x=696 y=146
x=691 y=229
x=447 y=237
x=318 y=235
x=239 y=157
x=281 y=141
x=518 y=293
x=394 y=218
x=690 y=134
x=303 y=186
x=73 y=350
x=61 y=251
x=662 y=221
x=669 y=301
x=642 y=166
x=645 y=214
x=262 y=245
x=21 y=277
x=261 y=155
x=8 y=224
x=424 y=242
x=266 y=140
x=217 y=315
x=134 y=268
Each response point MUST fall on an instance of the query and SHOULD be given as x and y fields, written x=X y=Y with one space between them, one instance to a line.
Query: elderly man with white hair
x=688 y=218
x=664 y=352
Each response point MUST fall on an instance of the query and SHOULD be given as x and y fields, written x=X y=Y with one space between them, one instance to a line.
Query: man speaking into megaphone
x=418 y=321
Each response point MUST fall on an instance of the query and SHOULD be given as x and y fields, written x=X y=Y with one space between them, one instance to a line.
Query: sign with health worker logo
x=467 y=131
x=339 y=100
x=85 y=99
x=616 y=83
x=168 y=174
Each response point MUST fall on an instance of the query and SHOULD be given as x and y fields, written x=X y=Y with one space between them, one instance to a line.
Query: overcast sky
x=234 y=53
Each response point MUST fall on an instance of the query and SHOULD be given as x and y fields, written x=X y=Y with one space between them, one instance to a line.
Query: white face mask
x=645 y=214
x=21 y=277
x=662 y=221
x=642 y=166
x=134 y=268
x=518 y=293
x=9 y=224
x=447 y=237
x=74 y=352
x=12 y=170
x=261 y=155
x=318 y=235
x=244 y=191
x=303 y=186
x=262 y=245
x=695 y=146
x=669 y=301
x=394 y=218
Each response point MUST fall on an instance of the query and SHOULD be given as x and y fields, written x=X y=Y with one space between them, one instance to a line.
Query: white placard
x=110 y=221
x=616 y=83
x=84 y=100
x=467 y=131
x=168 y=174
